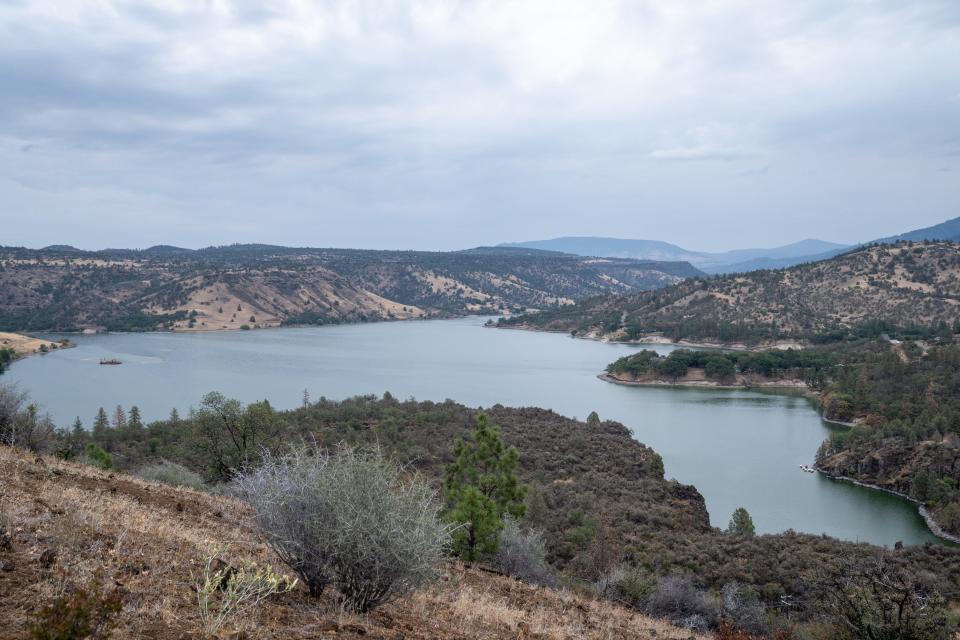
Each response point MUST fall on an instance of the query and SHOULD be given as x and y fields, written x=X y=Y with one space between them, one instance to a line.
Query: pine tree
x=101 y=429
x=482 y=488
x=741 y=524
x=78 y=438
x=134 y=422
x=119 y=418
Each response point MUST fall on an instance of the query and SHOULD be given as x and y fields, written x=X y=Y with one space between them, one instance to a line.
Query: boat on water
x=109 y=361
x=807 y=468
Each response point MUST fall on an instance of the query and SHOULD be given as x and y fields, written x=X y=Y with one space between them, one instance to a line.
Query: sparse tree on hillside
x=78 y=439
x=232 y=437
x=481 y=488
x=655 y=466
x=741 y=524
x=101 y=426
x=119 y=418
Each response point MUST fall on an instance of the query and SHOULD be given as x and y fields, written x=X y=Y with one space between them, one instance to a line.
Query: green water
x=739 y=448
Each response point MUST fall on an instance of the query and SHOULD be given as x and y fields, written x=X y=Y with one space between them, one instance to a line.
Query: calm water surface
x=739 y=448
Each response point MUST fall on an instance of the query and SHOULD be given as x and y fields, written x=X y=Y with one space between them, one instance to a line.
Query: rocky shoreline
x=705 y=384
x=661 y=340
x=932 y=524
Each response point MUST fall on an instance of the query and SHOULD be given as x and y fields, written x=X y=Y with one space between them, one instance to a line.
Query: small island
x=789 y=368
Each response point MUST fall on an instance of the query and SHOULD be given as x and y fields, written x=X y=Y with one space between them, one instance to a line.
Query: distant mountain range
x=726 y=262
x=735 y=261
x=949 y=230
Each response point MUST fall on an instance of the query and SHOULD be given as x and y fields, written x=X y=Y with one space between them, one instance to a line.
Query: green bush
x=98 y=457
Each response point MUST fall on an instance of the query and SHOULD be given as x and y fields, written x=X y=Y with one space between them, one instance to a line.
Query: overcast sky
x=443 y=125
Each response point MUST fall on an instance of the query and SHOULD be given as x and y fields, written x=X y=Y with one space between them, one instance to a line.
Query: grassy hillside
x=870 y=289
x=66 y=525
x=61 y=288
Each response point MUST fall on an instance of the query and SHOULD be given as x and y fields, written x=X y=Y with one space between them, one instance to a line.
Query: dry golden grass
x=23 y=345
x=149 y=540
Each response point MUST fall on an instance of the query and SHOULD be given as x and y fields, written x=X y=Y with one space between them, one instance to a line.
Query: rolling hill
x=725 y=262
x=949 y=230
x=62 y=288
x=902 y=285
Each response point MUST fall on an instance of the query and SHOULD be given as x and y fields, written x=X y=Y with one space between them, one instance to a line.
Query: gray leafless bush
x=523 y=555
x=349 y=518
x=21 y=424
x=678 y=599
x=743 y=609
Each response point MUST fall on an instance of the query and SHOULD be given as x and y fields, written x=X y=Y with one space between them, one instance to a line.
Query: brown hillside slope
x=904 y=284
x=64 y=522
x=228 y=287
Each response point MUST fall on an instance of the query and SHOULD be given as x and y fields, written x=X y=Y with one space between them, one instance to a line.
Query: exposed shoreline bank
x=932 y=524
x=797 y=385
x=24 y=346
x=660 y=340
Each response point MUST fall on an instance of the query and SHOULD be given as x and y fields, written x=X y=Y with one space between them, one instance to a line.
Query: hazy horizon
x=307 y=246
x=436 y=125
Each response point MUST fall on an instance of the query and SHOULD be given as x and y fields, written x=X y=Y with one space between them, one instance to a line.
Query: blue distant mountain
x=726 y=262
x=949 y=230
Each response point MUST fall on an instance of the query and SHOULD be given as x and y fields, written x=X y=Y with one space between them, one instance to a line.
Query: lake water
x=739 y=448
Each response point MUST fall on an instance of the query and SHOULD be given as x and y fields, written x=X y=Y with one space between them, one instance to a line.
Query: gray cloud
x=434 y=124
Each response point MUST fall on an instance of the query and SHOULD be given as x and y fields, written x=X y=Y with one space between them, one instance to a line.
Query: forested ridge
x=906 y=406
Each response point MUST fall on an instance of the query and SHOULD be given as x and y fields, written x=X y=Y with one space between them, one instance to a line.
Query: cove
x=738 y=447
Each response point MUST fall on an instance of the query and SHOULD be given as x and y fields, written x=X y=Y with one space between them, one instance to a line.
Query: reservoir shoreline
x=719 y=441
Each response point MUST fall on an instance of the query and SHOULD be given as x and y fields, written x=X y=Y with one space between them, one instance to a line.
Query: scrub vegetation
x=597 y=516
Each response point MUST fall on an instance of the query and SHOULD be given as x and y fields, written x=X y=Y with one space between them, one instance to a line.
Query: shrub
x=741 y=608
x=21 y=423
x=880 y=598
x=630 y=586
x=523 y=555
x=678 y=599
x=98 y=457
x=81 y=612
x=225 y=592
x=176 y=475
x=350 y=518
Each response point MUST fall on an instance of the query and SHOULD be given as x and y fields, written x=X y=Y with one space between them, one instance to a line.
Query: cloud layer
x=428 y=124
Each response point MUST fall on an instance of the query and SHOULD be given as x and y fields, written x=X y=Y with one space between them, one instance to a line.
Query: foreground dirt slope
x=67 y=521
